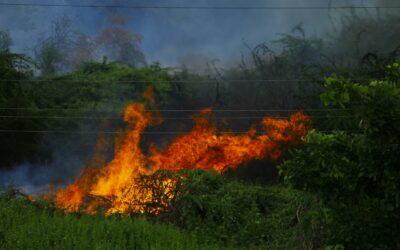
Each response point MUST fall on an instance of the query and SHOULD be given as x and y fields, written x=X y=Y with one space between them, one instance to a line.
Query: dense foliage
x=356 y=173
x=222 y=210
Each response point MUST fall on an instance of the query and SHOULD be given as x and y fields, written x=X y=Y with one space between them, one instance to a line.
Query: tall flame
x=202 y=148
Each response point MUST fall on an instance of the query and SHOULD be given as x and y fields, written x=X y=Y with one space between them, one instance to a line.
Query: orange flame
x=202 y=148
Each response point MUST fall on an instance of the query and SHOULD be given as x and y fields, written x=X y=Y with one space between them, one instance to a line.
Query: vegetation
x=339 y=189
x=213 y=211
x=24 y=225
x=356 y=173
x=232 y=212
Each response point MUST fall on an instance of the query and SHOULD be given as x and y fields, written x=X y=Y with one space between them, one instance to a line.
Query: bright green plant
x=356 y=173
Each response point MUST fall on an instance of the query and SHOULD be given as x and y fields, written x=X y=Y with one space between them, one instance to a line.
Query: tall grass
x=24 y=225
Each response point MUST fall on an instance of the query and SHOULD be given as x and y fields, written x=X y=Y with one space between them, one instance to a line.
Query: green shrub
x=235 y=213
x=362 y=192
x=357 y=173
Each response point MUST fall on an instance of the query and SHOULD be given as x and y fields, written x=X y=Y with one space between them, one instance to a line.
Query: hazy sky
x=172 y=36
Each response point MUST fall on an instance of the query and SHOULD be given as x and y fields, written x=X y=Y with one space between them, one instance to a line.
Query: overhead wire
x=164 y=118
x=195 y=7
x=183 y=109
x=118 y=132
x=169 y=81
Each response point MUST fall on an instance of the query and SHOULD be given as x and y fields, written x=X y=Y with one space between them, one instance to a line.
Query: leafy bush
x=356 y=173
x=101 y=85
x=221 y=210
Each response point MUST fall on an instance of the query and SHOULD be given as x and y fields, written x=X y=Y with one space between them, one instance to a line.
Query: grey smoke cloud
x=26 y=177
x=172 y=36
x=70 y=154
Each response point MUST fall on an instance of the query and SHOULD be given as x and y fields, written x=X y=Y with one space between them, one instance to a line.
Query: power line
x=118 y=132
x=164 y=118
x=109 y=132
x=171 y=118
x=196 y=7
x=182 y=110
x=166 y=81
x=162 y=81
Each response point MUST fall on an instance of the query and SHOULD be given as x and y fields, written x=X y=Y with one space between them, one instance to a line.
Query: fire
x=203 y=148
x=113 y=186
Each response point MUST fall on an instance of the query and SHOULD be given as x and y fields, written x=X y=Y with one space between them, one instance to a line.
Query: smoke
x=29 y=178
x=37 y=178
x=69 y=154
x=171 y=35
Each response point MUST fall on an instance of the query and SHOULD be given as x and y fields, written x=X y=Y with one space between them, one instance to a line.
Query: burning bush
x=115 y=184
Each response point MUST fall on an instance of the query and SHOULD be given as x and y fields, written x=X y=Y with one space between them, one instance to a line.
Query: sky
x=176 y=36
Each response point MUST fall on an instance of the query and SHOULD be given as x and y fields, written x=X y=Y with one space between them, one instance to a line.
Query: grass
x=230 y=221
x=24 y=225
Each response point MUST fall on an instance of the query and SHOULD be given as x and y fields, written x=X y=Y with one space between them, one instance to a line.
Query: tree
x=15 y=93
x=49 y=58
x=51 y=53
x=83 y=50
x=5 y=41
x=121 y=44
x=64 y=49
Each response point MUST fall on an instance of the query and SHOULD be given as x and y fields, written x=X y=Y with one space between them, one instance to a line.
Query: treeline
x=61 y=79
